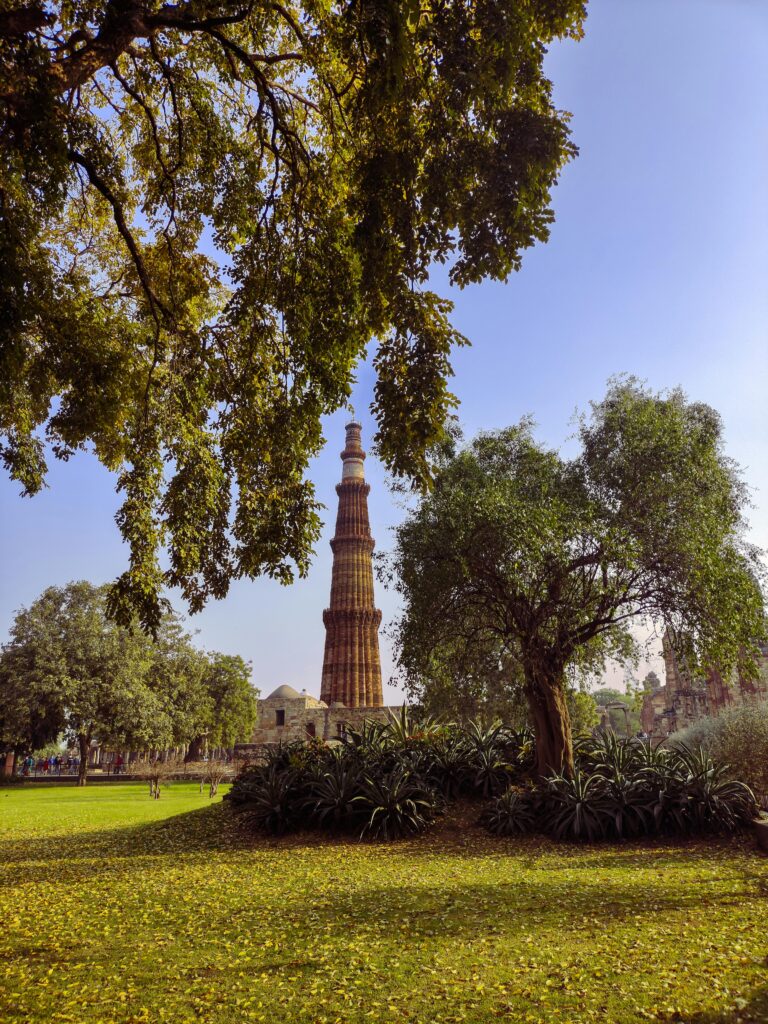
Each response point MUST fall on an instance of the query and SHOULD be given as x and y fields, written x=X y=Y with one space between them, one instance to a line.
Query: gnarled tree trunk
x=545 y=691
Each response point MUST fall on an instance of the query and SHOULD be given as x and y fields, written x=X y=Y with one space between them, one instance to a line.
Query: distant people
x=119 y=764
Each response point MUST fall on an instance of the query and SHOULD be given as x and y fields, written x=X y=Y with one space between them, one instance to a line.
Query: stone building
x=350 y=686
x=286 y=715
x=685 y=697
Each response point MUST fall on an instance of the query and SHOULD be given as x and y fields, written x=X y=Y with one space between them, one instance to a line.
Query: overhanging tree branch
x=103 y=188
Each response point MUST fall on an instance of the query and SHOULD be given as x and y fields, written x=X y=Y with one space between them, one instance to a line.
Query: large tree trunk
x=84 y=742
x=196 y=749
x=545 y=690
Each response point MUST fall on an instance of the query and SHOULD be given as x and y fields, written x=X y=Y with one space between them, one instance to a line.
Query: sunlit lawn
x=117 y=908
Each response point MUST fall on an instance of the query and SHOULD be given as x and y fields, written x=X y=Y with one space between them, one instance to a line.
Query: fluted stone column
x=351 y=666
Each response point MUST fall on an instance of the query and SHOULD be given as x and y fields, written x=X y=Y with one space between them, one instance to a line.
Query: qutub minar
x=351 y=666
x=350 y=684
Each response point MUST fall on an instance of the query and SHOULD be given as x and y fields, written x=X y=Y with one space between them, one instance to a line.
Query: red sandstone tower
x=351 y=666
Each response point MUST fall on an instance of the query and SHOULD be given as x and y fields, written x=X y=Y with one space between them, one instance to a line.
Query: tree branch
x=103 y=188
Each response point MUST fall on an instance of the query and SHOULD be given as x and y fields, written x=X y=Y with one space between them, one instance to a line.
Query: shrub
x=576 y=808
x=397 y=804
x=607 y=752
x=332 y=798
x=490 y=773
x=513 y=813
x=273 y=796
x=738 y=737
x=393 y=780
x=448 y=764
x=702 y=795
x=158 y=772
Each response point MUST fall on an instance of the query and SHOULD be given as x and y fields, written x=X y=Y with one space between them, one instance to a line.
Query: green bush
x=576 y=808
x=333 y=796
x=513 y=813
x=273 y=795
x=397 y=804
x=392 y=780
x=738 y=737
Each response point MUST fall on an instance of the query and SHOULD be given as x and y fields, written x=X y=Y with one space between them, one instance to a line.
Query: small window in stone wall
x=341 y=729
x=280 y=717
x=310 y=729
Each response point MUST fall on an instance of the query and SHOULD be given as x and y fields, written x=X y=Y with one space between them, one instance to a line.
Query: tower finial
x=353 y=455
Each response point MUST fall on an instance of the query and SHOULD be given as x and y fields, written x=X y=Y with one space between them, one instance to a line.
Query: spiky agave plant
x=370 y=738
x=331 y=795
x=397 y=804
x=448 y=763
x=405 y=726
x=272 y=796
x=513 y=813
x=576 y=807
x=710 y=798
x=605 y=751
x=488 y=737
x=490 y=773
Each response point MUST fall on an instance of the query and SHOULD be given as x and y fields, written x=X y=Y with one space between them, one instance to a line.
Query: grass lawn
x=117 y=908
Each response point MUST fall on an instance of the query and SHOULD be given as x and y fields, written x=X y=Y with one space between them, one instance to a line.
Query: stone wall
x=287 y=719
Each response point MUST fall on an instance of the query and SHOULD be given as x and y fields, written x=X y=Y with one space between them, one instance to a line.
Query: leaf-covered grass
x=118 y=908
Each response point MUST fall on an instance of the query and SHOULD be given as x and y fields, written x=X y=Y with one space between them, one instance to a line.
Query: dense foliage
x=391 y=780
x=541 y=566
x=386 y=780
x=738 y=736
x=69 y=669
x=209 y=208
x=622 y=789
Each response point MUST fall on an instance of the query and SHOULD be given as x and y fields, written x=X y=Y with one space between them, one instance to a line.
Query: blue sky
x=657 y=265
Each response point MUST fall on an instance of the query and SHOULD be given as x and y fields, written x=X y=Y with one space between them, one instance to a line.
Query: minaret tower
x=351 y=666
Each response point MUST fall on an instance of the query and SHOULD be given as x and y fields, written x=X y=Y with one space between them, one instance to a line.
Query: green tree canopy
x=556 y=559
x=233 y=700
x=226 y=709
x=207 y=210
x=69 y=669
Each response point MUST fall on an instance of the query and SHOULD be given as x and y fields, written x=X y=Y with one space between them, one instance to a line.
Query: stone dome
x=286 y=692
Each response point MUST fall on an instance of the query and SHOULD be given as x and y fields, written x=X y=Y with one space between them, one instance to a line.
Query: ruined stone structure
x=351 y=665
x=350 y=688
x=685 y=697
x=286 y=715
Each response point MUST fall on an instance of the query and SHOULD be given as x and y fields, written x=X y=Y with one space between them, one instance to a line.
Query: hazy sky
x=657 y=265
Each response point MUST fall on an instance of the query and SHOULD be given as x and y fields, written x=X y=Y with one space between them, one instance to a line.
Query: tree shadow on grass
x=206 y=829
x=416 y=920
x=218 y=828
x=533 y=891
x=753 y=1010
